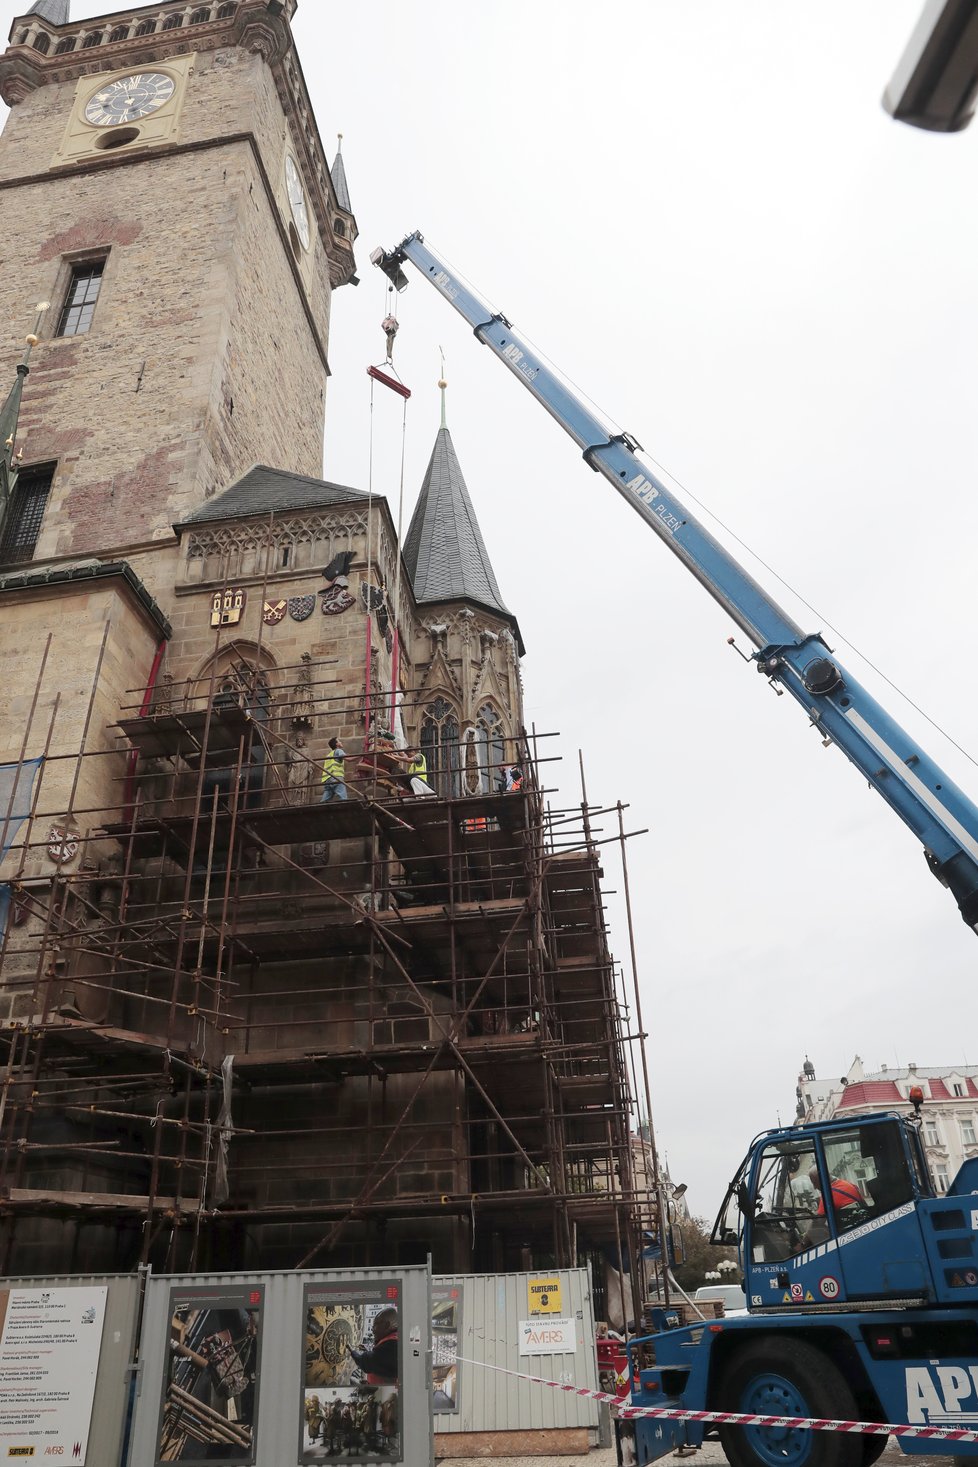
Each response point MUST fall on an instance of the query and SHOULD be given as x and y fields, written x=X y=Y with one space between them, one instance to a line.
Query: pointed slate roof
x=445 y=554
x=54 y=11
x=338 y=174
x=266 y=491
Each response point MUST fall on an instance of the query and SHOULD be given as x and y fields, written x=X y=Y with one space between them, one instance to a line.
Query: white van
x=733 y=1297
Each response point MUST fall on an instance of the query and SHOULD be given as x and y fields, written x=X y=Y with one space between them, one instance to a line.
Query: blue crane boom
x=942 y=817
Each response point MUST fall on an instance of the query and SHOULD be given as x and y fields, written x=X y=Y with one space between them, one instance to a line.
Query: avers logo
x=937 y=1395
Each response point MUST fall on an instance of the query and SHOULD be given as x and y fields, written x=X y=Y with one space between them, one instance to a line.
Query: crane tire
x=787 y=1377
x=873 y=1449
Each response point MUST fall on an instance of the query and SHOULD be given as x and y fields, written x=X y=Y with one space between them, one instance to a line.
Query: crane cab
x=844 y=1213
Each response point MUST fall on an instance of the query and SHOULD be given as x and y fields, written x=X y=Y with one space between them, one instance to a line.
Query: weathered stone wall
x=206 y=351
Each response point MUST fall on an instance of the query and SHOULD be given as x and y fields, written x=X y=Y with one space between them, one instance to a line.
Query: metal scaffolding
x=247 y=1027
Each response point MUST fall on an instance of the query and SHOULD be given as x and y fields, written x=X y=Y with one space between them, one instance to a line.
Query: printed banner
x=446 y=1326
x=209 y=1409
x=50 y=1344
x=548 y=1336
x=350 y=1405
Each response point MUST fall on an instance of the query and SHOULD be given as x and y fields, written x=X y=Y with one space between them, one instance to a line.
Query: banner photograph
x=350 y=1396
x=209 y=1408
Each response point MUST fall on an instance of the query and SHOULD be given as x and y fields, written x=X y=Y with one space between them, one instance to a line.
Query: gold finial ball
x=31 y=340
x=442 y=383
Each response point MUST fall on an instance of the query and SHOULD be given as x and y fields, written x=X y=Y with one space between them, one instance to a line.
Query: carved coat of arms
x=227 y=606
x=301 y=607
x=63 y=844
x=272 y=612
x=337 y=598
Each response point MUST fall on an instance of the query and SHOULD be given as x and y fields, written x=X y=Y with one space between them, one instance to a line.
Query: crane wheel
x=786 y=1377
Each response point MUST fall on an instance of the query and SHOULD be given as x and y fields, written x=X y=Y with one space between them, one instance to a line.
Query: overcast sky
x=699 y=210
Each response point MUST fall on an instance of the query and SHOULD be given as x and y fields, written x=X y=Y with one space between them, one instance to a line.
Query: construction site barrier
x=740 y=1418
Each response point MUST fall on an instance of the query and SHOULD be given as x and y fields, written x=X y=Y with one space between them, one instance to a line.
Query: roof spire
x=443 y=385
x=444 y=552
x=338 y=174
x=55 y=12
x=9 y=415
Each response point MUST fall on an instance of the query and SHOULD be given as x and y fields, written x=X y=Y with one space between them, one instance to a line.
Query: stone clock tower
x=165 y=190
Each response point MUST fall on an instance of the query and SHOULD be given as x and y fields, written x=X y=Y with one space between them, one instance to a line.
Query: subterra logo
x=942 y=1395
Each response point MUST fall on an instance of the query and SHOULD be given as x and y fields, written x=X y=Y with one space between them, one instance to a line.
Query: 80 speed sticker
x=828 y=1287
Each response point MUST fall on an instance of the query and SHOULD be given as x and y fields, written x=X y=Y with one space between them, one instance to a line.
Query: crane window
x=869 y=1173
x=785 y=1200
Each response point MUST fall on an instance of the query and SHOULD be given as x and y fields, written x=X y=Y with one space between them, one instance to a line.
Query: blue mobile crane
x=862 y=1284
x=941 y=816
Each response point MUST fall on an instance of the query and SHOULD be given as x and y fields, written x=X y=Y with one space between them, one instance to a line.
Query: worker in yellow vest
x=334 y=773
x=417 y=771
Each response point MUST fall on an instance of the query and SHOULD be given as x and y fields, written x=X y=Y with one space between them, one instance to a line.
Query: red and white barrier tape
x=740 y=1418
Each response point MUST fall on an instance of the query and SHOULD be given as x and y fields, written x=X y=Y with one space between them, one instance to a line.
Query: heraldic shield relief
x=272 y=612
x=301 y=607
x=336 y=598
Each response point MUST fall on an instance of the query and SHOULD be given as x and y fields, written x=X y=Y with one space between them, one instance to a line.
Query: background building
x=950 y=1111
x=241 y=1027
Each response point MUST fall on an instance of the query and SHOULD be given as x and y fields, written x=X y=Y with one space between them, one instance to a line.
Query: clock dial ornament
x=297 y=202
x=129 y=98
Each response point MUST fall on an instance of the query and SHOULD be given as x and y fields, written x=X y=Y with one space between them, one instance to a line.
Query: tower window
x=492 y=749
x=145 y=28
x=119 y=34
x=224 y=12
x=83 y=291
x=440 y=746
x=172 y=22
x=66 y=44
x=94 y=38
x=26 y=511
x=200 y=17
x=42 y=43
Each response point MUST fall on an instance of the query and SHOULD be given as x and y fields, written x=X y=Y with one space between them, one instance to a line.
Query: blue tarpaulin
x=16 y=793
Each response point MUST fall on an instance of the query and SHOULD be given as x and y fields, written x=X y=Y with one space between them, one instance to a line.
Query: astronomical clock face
x=297 y=202
x=330 y=1332
x=129 y=98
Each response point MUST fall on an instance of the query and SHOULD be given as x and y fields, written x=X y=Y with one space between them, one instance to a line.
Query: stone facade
x=208 y=347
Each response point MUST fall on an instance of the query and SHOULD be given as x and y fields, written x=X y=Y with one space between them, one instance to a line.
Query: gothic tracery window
x=491 y=747
x=145 y=28
x=42 y=43
x=440 y=745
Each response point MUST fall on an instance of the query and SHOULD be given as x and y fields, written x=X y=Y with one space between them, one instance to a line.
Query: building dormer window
x=66 y=44
x=42 y=43
x=145 y=28
x=200 y=17
x=172 y=23
x=94 y=38
x=120 y=33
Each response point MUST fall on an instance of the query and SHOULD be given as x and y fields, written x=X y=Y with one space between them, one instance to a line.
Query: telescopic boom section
x=942 y=817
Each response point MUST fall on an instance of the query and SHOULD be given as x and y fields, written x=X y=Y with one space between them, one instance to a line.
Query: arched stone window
x=119 y=34
x=201 y=16
x=94 y=38
x=339 y=228
x=238 y=677
x=145 y=28
x=172 y=23
x=224 y=12
x=66 y=44
x=42 y=43
x=440 y=746
x=492 y=748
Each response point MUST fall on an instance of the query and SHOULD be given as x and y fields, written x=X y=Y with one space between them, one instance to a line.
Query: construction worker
x=844 y=1194
x=334 y=774
x=417 y=772
x=514 y=779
